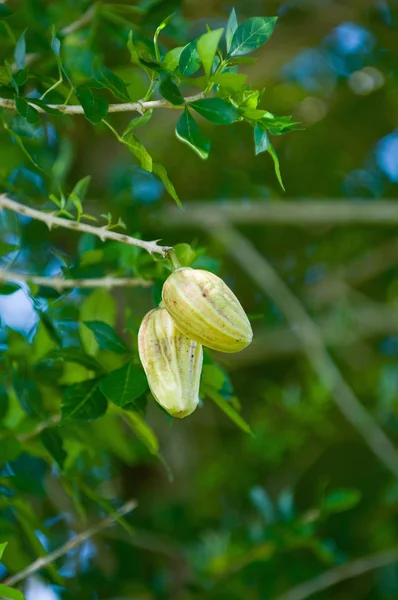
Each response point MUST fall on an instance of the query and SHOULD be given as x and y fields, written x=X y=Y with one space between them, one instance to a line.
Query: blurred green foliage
x=221 y=514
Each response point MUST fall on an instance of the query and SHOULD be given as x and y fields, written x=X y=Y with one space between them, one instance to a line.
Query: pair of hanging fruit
x=197 y=309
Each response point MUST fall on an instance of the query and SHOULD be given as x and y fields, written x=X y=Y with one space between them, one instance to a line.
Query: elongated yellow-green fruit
x=206 y=310
x=172 y=363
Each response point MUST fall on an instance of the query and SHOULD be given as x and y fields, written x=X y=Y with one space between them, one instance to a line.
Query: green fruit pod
x=206 y=310
x=172 y=363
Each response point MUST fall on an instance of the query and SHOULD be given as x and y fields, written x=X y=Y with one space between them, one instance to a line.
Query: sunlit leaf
x=232 y=25
x=207 y=46
x=106 y=337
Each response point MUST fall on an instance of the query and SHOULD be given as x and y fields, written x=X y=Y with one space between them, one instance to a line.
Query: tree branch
x=297 y=212
x=44 y=561
x=77 y=109
x=104 y=234
x=310 y=338
x=365 y=321
x=60 y=284
x=340 y=573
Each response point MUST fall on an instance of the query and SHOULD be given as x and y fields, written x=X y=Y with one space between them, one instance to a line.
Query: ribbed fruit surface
x=172 y=363
x=206 y=310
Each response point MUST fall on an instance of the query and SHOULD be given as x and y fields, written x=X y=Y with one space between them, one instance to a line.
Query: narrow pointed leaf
x=275 y=158
x=232 y=26
x=188 y=132
x=228 y=410
x=139 y=151
x=207 y=47
x=252 y=34
x=261 y=140
x=20 y=51
x=138 y=122
x=189 y=61
x=161 y=172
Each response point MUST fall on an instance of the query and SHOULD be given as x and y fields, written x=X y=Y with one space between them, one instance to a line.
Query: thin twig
x=311 y=340
x=371 y=265
x=297 y=212
x=77 y=109
x=84 y=20
x=340 y=573
x=44 y=561
x=60 y=284
x=364 y=321
x=102 y=232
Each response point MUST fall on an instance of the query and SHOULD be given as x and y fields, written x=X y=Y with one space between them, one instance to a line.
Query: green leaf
x=216 y=110
x=94 y=104
x=110 y=81
x=143 y=432
x=25 y=110
x=8 y=288
x=79 y=191
x=53 y=443
x=106 y=337
x=234 y=81
x=228 y=410
x=170 y=92
x=139 y=151
x=188 y=132
x=341 y=500
x=124 y=385
x=252 y=34
x=172 y=58
x=74 y=355
x=20 y=51
x=44 y=106
x=261 y=140
x=275 y=158
x=138 y=122
x=232 y=26
x=10 y=594
x=2 y=548
x=189 y=61
x=134 y=53
x=161 y=172
x=185 y=254
x=56 y=45
x=83 y=401
x=207 y=46
x=162 y=25
x=21 y=145
x=98 y=306
x=20 y=77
